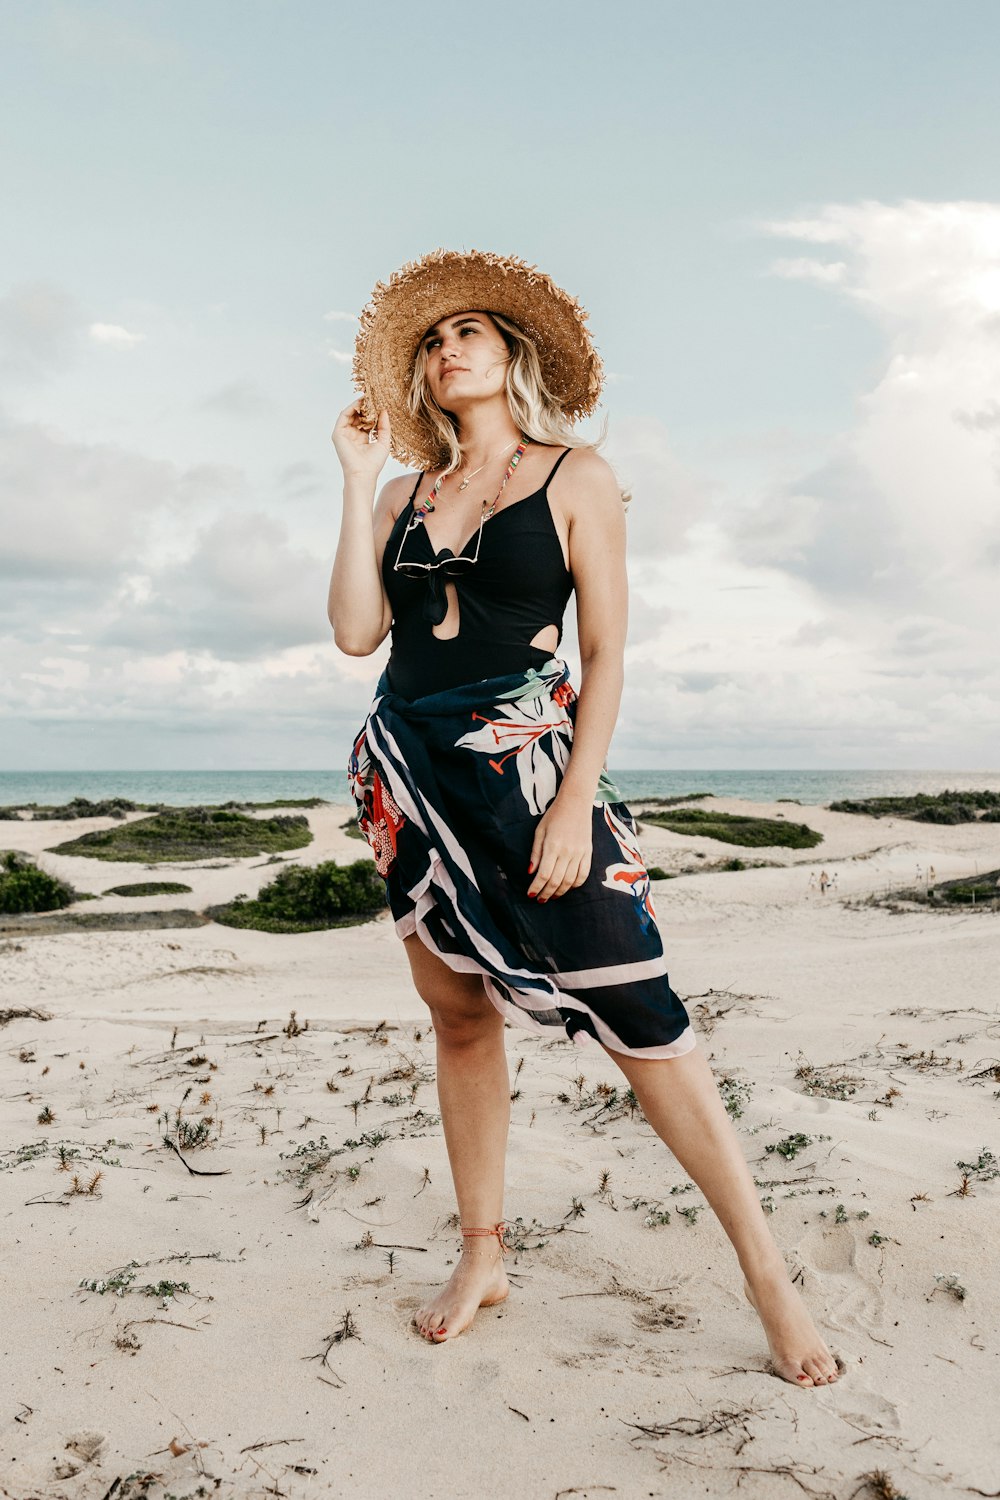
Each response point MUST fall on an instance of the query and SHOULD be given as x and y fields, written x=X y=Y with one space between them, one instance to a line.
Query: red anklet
x=498 y=1230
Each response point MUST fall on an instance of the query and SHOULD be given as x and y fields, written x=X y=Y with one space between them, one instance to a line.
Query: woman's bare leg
x=681 y=1100
x=474 y=1092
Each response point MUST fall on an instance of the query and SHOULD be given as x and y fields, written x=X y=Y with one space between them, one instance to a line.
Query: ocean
x=185 y=788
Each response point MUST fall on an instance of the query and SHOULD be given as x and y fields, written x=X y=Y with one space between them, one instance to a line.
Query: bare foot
x=479 y=1280
x=798 y=1351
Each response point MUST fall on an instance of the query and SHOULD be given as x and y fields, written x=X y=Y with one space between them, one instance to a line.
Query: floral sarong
x=449 y=789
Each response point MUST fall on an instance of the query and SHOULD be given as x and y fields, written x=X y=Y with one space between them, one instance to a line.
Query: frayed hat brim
x=423 y=291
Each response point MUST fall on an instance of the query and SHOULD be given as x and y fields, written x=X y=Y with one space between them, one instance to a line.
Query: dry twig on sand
x=30 y=1014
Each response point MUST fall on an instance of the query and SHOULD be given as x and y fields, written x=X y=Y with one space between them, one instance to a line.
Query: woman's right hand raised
x=361 y=457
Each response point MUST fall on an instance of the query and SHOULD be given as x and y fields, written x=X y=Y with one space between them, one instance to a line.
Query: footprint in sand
x=866 y=1407
x=406 y=1307
x=848 y=1302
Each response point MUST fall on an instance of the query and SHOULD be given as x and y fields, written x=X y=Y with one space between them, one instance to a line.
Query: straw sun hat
x=444 y=282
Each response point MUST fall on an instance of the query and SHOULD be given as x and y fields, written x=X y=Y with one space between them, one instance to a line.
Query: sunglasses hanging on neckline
x=451 y=563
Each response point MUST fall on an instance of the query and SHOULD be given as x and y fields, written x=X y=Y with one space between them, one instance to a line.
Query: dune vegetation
x=180 y=833
x=309 y=898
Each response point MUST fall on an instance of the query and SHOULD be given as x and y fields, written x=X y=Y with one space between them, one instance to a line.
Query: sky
x=782 y=218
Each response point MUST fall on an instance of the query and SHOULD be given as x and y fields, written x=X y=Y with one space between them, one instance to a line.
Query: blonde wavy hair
x=534 y=408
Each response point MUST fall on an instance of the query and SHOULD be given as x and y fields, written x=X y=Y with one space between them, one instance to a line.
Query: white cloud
x=243 y=592
x=114 y=335
x=874 y=633
x=906 y=510
x=667 y=495
x=831 y=609
x=73 y=510
x=822 y=272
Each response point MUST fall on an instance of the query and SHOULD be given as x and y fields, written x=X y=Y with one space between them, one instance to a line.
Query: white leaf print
x=539 y=726
x=630 y=875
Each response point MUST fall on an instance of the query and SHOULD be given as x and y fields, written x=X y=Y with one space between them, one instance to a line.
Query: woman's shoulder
x=582 y=475
x=584 y=460
x=396 y=492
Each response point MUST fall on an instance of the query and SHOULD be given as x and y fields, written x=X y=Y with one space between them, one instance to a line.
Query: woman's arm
x=357 y=606
x=596 y=515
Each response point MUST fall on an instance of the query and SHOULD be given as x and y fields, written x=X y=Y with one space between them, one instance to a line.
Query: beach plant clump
x=312 y=1157
x=76 y=807
x=736 y=828
x=968 y=890
x=309 y=898
x=736 y=1094
x=179 y=833
x=69 y=1153
x=24 y=887
x=828 y=1080
x=149 y=888
x=638 y=802
x=120 y=1282
x=188 y=1134
x=790 y=1147
x=977 y=892
x=926 y=807
x=984 y=1169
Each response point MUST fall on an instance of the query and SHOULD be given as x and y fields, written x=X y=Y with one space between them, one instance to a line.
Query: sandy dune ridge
x=626 y=1361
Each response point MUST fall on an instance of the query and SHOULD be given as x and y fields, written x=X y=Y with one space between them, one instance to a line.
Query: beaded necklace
x=426 y=506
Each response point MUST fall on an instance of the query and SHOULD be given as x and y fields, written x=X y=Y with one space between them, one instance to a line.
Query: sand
x=626 y=1361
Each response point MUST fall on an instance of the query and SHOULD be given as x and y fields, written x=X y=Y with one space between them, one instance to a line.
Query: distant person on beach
x=512 y=866
x=824 y=881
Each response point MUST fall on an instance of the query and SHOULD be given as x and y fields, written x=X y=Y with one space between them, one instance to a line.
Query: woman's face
x=466 y=359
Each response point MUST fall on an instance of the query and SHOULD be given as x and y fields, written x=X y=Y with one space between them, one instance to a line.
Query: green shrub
x=736 y=828
x=76 y=807
x=179 y=833
x=149 y=888
x=309 y=898
x=24 y=887
x=926 y=807
x=948 y=812
x=971 y=890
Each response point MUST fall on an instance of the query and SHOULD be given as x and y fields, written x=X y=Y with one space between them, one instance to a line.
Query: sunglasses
x=449 y=564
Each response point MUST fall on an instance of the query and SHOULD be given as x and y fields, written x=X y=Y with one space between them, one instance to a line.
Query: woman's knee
x=463 y=1028
x=459 y=1006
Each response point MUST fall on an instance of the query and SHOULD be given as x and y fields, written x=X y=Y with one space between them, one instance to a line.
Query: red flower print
x=380 y=823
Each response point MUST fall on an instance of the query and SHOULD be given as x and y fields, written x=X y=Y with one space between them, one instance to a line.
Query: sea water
x=186 y=788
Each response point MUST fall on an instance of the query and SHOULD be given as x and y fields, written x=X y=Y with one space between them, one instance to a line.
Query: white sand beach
x=627 y=1361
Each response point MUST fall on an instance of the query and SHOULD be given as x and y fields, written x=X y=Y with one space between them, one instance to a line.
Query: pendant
x=463 y=486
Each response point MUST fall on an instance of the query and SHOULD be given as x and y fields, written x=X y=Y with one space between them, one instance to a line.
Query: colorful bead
x=426 y=506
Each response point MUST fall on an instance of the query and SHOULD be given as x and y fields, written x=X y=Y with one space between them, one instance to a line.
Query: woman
x=511 y=863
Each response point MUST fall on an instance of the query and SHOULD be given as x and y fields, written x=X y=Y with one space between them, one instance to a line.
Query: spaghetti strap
x=555 y=467
x=416 y=487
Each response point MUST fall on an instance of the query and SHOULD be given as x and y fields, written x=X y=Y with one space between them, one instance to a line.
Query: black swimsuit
x=519 y=584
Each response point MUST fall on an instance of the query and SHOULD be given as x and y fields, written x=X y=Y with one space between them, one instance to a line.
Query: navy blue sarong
x=449 y=789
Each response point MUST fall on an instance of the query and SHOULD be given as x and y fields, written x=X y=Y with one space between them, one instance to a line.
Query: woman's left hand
x=562 y=849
